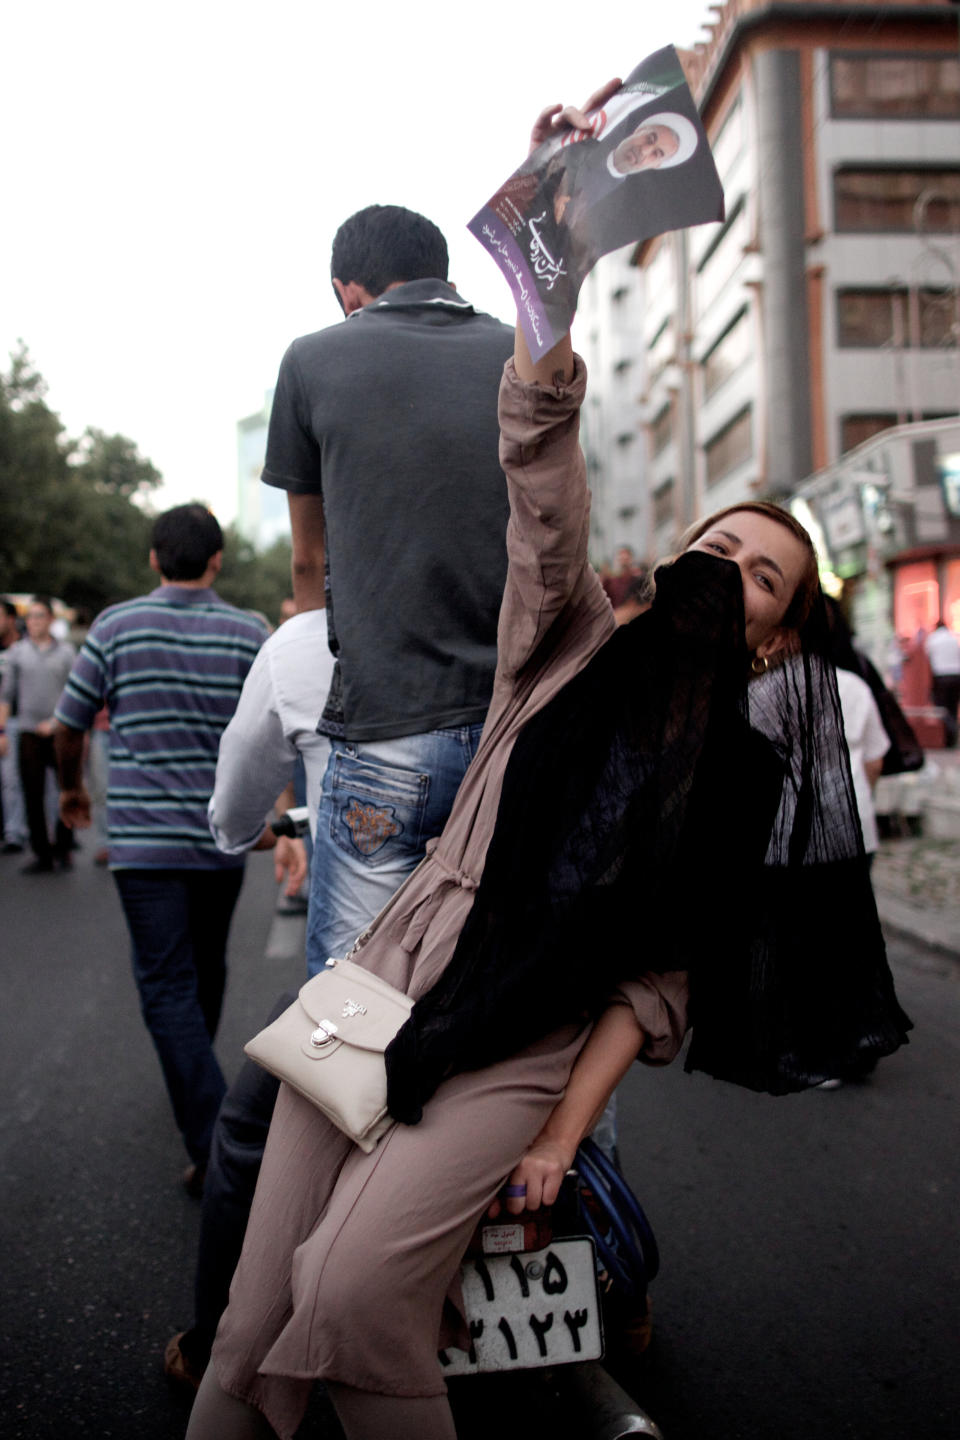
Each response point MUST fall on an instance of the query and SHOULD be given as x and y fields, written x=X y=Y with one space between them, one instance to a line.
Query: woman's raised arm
x=554 y=368
x=540 y=454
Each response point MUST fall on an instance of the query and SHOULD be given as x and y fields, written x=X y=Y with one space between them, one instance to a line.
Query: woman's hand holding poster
x=641 y=167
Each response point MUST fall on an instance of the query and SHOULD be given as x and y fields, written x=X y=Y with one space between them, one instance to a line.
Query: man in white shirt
x=274 y=722
x=943 y=653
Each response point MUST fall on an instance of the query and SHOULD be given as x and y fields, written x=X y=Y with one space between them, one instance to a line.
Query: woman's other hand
x=290 y=864
x=612 y=1046
x=538 y=1176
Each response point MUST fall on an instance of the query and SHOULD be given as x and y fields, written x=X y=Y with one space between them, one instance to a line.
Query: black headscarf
x=648 y=822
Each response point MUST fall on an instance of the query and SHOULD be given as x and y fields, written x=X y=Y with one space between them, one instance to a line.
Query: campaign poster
x=643 y=167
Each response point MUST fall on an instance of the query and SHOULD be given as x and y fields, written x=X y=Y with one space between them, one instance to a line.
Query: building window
x=732 y=350
x=727 y=144
x=939 y=319
x=722 y=257
x=895 y=87
x=659 y=351
x=869 y=319
x=730 y=448
x=663 y=504
x=661 y=430
x=854 y=429
x=886 y=199
x=658 y=274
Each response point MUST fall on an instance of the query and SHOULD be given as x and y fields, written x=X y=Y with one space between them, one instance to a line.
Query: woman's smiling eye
x=717 y=545
x=764 y=580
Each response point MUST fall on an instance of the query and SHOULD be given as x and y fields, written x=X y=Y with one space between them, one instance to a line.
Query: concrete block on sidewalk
x=941 y=817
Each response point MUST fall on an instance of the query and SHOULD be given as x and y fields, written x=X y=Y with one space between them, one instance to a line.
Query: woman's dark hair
x=9 y=608
x=384 y=244
x=44 y=601
x=808 y=588
x=184 y=540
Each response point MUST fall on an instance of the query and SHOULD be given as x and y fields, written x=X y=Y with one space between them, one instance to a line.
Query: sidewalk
x=917 y=877
x=917 y=885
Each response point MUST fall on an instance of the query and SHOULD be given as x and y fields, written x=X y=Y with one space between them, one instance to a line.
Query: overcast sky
x=173 y=176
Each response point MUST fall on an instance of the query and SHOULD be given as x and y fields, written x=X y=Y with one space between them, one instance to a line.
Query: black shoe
x=12 y=847
x=64 y=862
x=37 y=867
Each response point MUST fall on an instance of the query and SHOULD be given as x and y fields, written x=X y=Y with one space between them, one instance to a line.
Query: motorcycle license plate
x=527 y=1310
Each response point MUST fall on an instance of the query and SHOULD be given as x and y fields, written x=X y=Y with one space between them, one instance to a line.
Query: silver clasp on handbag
x=324 y=1033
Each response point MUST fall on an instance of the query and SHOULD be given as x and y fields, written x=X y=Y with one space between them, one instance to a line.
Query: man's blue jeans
x=381 y=802
x=178 y=922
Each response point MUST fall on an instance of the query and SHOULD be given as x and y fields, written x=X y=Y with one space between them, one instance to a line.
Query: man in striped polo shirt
x=170 y=667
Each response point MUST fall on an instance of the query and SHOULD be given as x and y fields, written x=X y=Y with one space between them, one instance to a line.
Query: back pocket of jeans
x=377 y=809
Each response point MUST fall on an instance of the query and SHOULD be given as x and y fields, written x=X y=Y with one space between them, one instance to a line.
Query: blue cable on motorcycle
x=627 y=1249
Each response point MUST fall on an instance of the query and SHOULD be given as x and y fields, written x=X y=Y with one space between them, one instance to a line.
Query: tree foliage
x=113 y=465
x=75 y=514
x=255 y=580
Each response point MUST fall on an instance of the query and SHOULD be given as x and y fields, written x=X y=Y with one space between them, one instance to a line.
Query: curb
x=939 y=931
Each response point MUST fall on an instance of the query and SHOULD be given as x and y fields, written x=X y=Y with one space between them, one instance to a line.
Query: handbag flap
x=366 y=1011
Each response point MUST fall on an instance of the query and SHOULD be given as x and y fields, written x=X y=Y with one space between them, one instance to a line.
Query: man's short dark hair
x=42 y=600
x=384 y=244
x=184 y=540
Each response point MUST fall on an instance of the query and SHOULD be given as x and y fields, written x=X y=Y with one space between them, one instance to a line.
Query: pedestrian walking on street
x=33 y=677
x=943 y=653
x=14 y=830
x=170 y=667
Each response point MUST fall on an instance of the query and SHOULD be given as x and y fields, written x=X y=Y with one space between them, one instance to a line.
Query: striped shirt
x=170 y=667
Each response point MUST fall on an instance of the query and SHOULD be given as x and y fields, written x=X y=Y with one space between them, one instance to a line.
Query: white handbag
x=328 y=1045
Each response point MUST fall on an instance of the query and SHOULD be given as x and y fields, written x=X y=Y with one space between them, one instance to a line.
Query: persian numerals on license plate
x=529 y=1310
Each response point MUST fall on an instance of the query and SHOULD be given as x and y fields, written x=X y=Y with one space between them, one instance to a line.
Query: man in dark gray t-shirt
x=384 y=434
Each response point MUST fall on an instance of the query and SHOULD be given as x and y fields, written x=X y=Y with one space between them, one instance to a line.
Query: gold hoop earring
x=759 y=664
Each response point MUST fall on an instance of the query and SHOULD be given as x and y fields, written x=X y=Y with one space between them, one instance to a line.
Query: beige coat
x=349 y=1257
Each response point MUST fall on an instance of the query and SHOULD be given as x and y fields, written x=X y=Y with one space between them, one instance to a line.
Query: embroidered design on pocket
x=371 y=826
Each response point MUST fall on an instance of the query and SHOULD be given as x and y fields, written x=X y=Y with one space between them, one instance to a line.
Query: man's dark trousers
x=236 y=1153
x=36 y=757
x=946 y=695
x=179 y=921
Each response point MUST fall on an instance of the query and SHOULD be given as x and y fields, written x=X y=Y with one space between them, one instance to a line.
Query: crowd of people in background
x=38 y=644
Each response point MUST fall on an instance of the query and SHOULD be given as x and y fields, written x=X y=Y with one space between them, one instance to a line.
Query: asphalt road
x=809 y=1245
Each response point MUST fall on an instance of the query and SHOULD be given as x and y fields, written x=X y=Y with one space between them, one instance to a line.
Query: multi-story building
x=824 y=308
x=262 y=515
